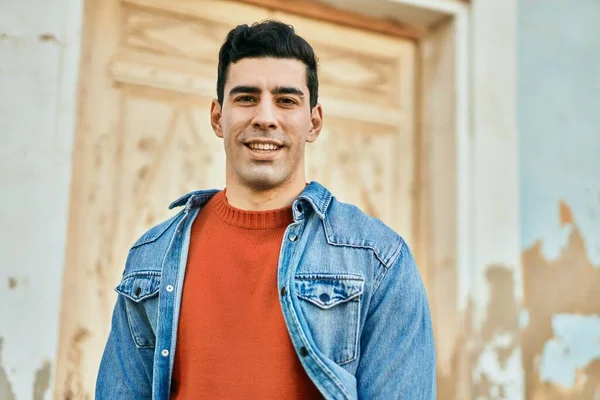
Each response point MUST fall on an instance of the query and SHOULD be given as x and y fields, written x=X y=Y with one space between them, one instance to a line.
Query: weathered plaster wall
x=492 y=336
x=559 y=123
x=39 y=60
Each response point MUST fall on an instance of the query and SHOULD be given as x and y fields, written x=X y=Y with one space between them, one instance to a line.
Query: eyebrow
x=287 y=90
x=256 y=90
x=244 y=89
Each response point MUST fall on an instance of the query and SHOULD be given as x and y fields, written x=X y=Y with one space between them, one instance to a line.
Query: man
x=270 y=288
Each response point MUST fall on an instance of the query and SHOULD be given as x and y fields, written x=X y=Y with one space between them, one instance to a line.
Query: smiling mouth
x=263 y=147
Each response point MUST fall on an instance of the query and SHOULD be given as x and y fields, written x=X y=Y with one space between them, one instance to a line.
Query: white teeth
x=263 y=146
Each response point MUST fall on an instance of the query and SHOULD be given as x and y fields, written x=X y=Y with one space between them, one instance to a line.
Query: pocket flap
x=328 y=290
x=139 y=285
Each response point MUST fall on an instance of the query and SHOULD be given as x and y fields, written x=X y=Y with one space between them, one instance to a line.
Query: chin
x=262 y=182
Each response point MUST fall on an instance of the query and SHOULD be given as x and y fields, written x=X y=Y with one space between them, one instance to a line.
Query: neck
x=244 y=197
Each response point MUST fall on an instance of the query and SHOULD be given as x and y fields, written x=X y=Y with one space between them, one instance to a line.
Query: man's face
x=265 y=121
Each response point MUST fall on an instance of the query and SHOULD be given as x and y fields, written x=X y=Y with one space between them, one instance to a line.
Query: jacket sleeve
x=397 y=358
x=125 y=370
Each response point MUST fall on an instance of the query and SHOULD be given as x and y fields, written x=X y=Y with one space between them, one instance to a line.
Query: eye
x=245 y=99
x=286 y=101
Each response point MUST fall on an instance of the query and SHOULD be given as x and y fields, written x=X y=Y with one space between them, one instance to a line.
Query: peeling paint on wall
x=42 y=381
x=576 y=344
x=562 y=297
x=497 y=371
x=6 y=392
x=492 y=357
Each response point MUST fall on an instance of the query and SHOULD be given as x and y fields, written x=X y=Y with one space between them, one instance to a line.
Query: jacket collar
x=197 y=198
x=317 y=196
x=314 y=194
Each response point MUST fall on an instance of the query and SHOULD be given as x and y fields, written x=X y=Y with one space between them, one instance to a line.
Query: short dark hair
x=267 y=39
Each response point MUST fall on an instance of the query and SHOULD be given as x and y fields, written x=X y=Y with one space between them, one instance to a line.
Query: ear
x=316 y=123
x=215 y=118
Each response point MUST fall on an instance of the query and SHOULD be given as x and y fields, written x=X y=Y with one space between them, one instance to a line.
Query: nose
x=265 y=118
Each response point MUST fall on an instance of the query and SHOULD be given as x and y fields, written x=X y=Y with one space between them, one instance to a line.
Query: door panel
x=148 y=75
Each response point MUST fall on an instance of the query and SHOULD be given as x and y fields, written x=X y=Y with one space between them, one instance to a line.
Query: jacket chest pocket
x=141 y=292
x=331 y=306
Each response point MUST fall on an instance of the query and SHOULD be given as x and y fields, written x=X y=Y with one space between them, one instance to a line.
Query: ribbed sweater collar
x=270 y=219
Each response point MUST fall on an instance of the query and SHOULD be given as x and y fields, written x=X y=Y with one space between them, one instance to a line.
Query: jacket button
x=303 y=351
x=165 y=353
x=293 y=237
x=169 y=288
x=283 y=291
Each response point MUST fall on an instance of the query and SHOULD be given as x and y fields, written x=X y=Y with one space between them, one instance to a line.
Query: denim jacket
x=350 y=292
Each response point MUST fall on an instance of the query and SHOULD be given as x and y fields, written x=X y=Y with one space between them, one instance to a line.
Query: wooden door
x=148 y=75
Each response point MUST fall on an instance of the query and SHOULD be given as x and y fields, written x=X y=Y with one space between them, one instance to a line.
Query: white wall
x=559 y=125
x=39 y=61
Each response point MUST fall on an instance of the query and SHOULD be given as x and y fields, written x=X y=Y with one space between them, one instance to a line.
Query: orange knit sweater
x=232 y=341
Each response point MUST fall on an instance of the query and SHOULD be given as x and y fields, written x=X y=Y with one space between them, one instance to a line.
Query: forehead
x=267 y=73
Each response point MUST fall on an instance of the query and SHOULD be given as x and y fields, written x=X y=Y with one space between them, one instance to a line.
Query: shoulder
x=157 y=231
x=152 y=246
x=348 y=225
